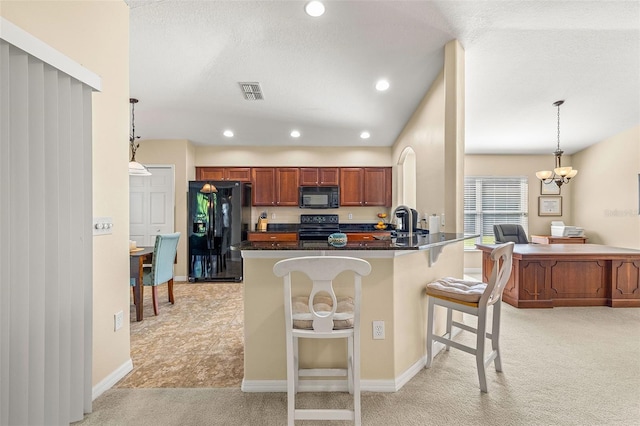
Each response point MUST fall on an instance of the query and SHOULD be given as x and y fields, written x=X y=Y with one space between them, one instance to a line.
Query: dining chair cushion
x=303 y=318
x=455 y=288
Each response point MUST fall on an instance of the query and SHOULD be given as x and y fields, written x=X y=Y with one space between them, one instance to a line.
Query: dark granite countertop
x=418 y=242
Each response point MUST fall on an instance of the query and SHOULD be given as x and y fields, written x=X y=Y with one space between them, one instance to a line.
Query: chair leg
x=495 y=335
x=154 y=292
x=357 y=410
x=431 y=307
x=170 y=287
x=350 y=365
x=291 y=379
x=480 y=340
x=449 y=326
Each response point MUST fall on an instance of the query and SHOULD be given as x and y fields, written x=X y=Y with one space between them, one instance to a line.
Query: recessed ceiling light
x=228 y=133
x=382 y=85
x=295 y=134
x=314 y=8
x=365 y=135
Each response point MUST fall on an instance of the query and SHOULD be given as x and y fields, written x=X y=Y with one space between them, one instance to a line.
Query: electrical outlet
x=350 y=216
x=118 y=319
x=273 y=215
x=378 y=330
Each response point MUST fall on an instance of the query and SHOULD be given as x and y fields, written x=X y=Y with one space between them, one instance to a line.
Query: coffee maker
x=402 y=215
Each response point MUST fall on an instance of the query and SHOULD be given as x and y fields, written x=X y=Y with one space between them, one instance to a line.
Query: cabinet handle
x=273 y=237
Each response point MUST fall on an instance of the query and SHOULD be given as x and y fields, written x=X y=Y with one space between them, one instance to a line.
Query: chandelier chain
x=558 y=127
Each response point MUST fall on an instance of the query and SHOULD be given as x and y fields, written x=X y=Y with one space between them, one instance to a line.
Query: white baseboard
x=113 y=378
x=340 y=385
x=473 y=270
x=179 y=279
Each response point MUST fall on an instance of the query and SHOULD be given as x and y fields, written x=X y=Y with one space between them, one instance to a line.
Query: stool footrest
x=319 y=372
x=319 y=414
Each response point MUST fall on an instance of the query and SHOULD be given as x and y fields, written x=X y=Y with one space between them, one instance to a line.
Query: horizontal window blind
x=491 y=200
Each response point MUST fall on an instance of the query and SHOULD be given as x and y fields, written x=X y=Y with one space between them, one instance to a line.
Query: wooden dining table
x=137 y=258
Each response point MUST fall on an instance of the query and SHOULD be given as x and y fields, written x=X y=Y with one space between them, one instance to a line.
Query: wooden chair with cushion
x=320 y=314
x=474 y=298
x=161 y=270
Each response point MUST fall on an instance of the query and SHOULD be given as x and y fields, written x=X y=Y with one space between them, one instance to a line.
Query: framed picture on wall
x=549 y=188
x=549 y=206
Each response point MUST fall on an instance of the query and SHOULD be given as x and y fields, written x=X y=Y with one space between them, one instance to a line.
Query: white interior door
x=151 y=205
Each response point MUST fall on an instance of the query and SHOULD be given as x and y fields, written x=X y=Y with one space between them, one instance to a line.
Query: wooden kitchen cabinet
x=275 y=186
x=366 y=236
x=319 y=176
x=365 y=186
x=272 y=236
x=242 y=174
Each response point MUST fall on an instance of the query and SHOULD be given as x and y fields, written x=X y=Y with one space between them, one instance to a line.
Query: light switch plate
x=102 y=225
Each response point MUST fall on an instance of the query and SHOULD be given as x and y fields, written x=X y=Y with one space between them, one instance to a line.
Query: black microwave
x=319 y=197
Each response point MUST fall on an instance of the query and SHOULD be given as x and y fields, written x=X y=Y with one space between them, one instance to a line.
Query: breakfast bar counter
x=393 y=293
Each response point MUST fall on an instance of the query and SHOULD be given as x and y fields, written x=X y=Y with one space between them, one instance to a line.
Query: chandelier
x=560 y=175
x=135 y=168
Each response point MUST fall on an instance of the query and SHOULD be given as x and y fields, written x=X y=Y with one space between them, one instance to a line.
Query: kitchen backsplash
x=292 y=214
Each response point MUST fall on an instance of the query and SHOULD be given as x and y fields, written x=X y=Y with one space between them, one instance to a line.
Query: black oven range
x=318 y=226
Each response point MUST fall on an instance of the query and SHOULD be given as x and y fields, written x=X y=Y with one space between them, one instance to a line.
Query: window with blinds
x=490 y=200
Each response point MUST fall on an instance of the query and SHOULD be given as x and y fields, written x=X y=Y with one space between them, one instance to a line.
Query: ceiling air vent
x=251 y=91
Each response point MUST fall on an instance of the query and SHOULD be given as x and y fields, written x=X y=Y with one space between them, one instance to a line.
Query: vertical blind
x=490 y=200
x=46 y=242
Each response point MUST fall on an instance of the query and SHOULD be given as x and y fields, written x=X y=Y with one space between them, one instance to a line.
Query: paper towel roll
x=434 y=224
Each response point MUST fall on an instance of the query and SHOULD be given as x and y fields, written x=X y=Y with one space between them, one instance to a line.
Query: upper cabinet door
x=329 y=176
x=209 y=173
x=377 y=186
x=309 y=176
x=351 y=186
x=287 y=186
x=242 y=174
x=365 y=186
x=264 y=182
x=319 y=176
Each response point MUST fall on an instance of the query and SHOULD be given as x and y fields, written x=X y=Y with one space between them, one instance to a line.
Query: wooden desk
x=548 y=275
x=548 y=239
x=136 y=260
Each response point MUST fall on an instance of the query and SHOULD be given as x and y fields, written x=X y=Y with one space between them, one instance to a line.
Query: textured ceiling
x=318 y=74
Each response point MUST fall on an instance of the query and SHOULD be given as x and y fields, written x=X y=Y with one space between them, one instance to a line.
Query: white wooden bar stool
x=322 y=315
x=474 y=298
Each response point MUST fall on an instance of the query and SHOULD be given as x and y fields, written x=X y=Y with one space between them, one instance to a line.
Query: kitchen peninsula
x=393 y=293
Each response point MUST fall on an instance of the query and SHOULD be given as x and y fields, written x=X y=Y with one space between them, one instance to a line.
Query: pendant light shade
x=560 y=175
x=135 y=168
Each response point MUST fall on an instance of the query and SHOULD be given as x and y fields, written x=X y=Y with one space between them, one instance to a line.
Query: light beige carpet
x=562 y=366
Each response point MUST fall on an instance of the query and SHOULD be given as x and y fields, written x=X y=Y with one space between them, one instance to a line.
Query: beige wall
x=435 y=132
x=521 y=165
x=605 y=191
x=96 y=35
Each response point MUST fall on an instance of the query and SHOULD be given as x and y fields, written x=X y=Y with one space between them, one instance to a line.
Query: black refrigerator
x=219 y=216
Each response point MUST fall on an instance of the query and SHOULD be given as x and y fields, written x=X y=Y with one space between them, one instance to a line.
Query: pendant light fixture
x=560 y=175
x=135 y=168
